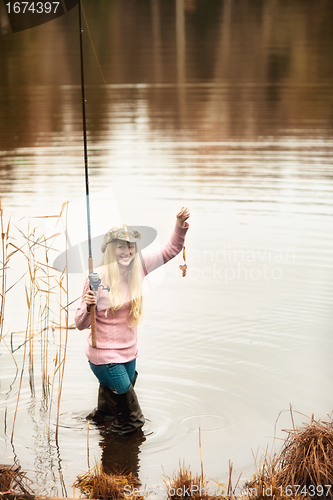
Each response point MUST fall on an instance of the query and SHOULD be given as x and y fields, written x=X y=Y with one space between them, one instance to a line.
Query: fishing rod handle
x=93 y=325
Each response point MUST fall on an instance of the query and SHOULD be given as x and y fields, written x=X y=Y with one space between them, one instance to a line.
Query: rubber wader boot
x=106 y=404
x=129 y=414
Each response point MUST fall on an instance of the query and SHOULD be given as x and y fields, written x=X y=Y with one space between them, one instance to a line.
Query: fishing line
x=94 y=50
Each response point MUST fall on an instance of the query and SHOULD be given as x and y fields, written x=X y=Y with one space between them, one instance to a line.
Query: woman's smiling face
x=125 y=252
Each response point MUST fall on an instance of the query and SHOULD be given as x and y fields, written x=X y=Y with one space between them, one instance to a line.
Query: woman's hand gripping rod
x=95 y=282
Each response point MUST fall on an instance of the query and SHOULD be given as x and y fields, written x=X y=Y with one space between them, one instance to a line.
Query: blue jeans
x=117 y=376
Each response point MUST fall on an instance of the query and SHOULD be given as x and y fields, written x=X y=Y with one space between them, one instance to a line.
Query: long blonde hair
x=132 y=275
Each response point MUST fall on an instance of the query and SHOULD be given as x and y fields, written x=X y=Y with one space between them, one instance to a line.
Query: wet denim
x=117 y=376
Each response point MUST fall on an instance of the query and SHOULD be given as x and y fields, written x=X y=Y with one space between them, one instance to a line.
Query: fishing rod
x=94 y=279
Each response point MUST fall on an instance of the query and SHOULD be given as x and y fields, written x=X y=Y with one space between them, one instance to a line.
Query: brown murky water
x=226 y=107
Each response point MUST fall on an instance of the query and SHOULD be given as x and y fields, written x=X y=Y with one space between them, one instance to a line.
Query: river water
x=222 y=106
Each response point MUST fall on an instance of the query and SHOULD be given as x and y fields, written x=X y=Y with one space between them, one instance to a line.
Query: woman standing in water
x=118 y=312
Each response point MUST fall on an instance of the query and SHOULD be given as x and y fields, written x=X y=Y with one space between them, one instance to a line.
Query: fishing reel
x=96 y=282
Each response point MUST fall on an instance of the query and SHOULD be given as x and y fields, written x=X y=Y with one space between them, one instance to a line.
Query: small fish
x=184 y=266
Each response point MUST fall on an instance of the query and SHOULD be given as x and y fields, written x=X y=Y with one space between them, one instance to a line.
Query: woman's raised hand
x=90 y=299
x=182 y=216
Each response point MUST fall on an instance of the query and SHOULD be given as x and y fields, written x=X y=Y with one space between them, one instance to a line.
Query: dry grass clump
x=96 y=483
x=12 y=479
x=304 y=467
x=185 y=485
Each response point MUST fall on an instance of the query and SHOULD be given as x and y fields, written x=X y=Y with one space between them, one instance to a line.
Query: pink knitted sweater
x=116 y=340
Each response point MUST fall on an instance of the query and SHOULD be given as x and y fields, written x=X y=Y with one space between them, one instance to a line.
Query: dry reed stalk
x=96 y=483
x=59 y=363
x=5 y=243
x=65 y=310
x=31 y=307
x=52 y=387
x=201 y=461
x=4 y=264
x=21 y=378
x=88 y=463
x=229 y=491
x=45 y=318
x=303 y=468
